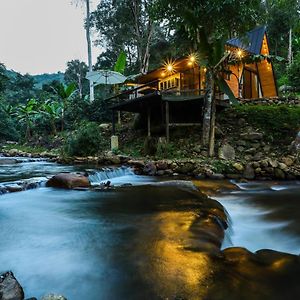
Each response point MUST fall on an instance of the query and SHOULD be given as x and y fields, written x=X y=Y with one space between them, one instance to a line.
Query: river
x=132 y=242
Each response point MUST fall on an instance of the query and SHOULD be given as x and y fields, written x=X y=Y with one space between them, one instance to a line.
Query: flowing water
x=129 y=243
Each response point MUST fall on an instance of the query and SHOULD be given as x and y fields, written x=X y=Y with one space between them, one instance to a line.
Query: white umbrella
x=105 y=77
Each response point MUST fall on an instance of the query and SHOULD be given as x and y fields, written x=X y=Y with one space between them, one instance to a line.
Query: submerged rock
x=68 y=181
x=10 y=289
x=53 y=297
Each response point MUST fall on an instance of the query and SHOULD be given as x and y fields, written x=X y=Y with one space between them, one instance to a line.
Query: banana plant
x=52 y=109
x=26 y=114
x=65 y=93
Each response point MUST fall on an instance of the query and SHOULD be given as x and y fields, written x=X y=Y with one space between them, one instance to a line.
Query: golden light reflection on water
x=176 y=271
x=213 y=187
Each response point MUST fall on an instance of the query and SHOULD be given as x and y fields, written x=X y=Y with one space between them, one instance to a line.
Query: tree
x=3 y=77
x=208 y=24
x=76 y=72
x=87 y=26
x=64 y=94
x=126 y=25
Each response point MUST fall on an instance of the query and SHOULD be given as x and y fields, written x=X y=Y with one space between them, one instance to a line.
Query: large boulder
x=68 y=181
x=10 y=289
x=226 y=152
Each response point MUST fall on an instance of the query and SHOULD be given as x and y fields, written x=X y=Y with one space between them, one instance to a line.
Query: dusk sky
x=40 y=36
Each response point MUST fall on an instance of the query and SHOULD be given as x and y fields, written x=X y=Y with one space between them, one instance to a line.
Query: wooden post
x=167 y=122
x=113 y=123
x=149 y=121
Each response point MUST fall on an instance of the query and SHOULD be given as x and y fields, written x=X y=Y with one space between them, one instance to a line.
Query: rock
x=53 y=297
x=68 y=181
x=160 y=173
x=255 y=145
x=282 y=166
x=12 y=188
x=150 y=169
x=104 y=126
x=279 y=174
x=252 y=136
x=250 y=150
x=273 y=163
x=258 y=156
x=10 y=289
x=240 y=148
x=137 y=163
x=287 y=161
x=249 y=172
x=162 y=165
x=267 y=148
x=241 y=122
x=264 y=163
x=13 y=152
x=226 y=152
x=7 y=161
x=114 y=159
x=295 y=146
x=241 y=143
x=168 y=172
x=239 y=167
x=256 y=164
x=186 y=168
x=216 y=176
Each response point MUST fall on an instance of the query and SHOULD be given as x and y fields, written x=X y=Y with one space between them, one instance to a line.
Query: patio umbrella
x=105 y=77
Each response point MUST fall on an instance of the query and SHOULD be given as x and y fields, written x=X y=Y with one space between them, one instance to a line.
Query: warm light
x=204 y=69
x=240 y=53
x=169 y=67
x=163 y=74
x=192 y=58
x=190 y=63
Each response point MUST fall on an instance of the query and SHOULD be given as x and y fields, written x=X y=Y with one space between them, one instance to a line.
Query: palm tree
x=65 y=93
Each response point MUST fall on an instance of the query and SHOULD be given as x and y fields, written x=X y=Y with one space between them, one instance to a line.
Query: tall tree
x=89 y=40
x=207 y=24
x=126 y=25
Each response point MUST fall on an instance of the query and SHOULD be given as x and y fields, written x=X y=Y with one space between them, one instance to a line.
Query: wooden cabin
x=175 y=92
x=256 y=80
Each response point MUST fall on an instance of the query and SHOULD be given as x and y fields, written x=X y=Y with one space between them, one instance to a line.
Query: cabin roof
x=252 y=42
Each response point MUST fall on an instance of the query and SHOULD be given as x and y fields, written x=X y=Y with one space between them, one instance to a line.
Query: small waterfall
x=98 y=177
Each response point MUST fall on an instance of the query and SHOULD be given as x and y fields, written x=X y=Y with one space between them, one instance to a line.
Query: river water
x=130 y=243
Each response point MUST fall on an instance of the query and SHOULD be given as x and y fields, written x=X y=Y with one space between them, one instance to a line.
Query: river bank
x=265 y=168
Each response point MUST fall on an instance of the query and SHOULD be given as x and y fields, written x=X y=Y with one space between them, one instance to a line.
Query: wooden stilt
x=167 y=122
x=149 y=121
x=113 y=123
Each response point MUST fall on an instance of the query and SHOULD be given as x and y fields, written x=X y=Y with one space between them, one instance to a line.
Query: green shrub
x=7 y=127
x=294 y=73
x=278 y=122
x=86 y=140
